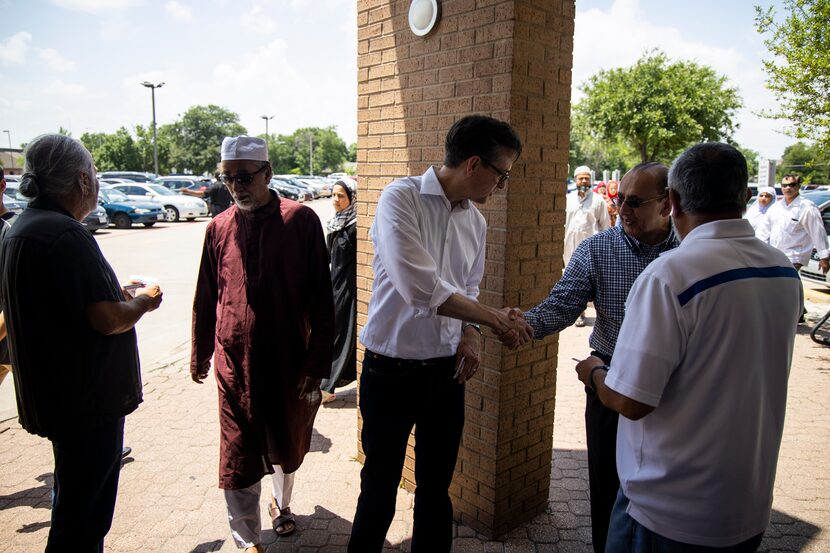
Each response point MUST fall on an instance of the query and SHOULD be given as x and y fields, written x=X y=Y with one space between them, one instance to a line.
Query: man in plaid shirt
x=602 y=270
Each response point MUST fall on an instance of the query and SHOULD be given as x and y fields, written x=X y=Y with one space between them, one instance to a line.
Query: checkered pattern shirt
x=602 y=270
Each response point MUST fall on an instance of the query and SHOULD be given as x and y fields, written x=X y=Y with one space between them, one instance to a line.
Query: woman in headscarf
x=342 y=243
x=757 y=212
x=611 y=194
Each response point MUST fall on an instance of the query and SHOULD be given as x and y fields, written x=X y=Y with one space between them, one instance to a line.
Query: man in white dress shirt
x=698 y=439
x=586 y=214
x=422 y=337
x=795 y=228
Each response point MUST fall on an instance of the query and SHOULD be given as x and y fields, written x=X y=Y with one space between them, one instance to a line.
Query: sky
x=78 y=64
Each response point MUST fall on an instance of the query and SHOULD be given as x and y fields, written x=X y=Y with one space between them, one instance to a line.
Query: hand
x=583 y=368
x=824 y=265
x=308 y=385
x=468 y=355
x=152 y=293
x=514 y=331
x=198 y=374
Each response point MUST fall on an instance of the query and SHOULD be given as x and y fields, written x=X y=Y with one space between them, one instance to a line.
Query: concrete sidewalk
x=168 y=499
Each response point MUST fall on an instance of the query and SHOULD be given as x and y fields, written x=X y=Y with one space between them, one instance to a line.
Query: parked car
x=285 y=190
x=97 y=219
x=12 y=178
x=336 y=176
x=811 y=271
x=134 y=176
x=302 y=192
x=176 y=205
x=176 y=183
x=103 y=181
x=296 y=182
x=321 y=186
x=123 y=212
x=12 y=203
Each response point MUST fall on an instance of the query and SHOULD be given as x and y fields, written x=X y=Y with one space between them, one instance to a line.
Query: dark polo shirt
x=67 y=375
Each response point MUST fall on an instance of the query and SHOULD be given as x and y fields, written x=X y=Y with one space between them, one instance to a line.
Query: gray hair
x=53 y=165
x=710 y=177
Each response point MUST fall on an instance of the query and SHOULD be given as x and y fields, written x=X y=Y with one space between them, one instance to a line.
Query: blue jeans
x=626 y=535
x=396 y=394
x=87 y=465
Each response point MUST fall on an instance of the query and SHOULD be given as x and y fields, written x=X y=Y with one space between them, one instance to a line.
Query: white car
x=176 y=206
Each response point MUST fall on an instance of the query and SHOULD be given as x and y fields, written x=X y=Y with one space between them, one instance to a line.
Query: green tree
x=352 y=155
x=197 y=137
x=799 y=71
x=657 y=107
x=751 y=161
x=329 y=150
x=144 y=148
x=587 y=148
x=809 y=161
x=113 y=152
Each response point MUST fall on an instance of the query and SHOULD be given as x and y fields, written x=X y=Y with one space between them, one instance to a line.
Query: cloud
x=96 y=6
x=13 y=49
x=54 y=60
x=64 y=89
x=255 y=21
x=178 y=10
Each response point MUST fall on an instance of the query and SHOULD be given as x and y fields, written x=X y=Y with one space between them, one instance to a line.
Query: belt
x=410 y=363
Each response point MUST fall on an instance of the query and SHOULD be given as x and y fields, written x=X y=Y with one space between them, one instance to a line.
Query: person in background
x=700 y=431
x=611 y=197
x=342 y=243
x=757 y=212
x=586 y=214
x=264 y=306
x=216 y=194
x=71 y=332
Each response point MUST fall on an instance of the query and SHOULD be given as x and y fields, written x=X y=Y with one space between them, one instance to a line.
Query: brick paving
x=168 y=500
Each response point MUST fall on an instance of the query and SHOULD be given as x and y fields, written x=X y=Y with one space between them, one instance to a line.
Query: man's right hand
x=513 y=329
x=198 y=374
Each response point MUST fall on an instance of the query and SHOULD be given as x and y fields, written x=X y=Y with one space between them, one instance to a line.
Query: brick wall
x=510 y=59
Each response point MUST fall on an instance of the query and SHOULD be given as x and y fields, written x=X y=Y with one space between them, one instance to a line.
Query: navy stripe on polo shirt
x=733 y=275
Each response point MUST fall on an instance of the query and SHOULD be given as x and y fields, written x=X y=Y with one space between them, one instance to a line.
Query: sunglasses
x=789 y=184
x=504 y=176
x=242 y=179
x=634 y=203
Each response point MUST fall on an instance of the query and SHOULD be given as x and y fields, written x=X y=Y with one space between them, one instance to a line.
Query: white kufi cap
x=582 y=169
x=237 y=148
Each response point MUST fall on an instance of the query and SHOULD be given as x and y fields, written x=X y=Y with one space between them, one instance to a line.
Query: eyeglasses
x=789 y=184
x=634 y=203
x=242 y=179
x=504 y=176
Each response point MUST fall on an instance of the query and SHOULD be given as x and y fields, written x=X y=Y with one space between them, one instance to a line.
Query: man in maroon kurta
x=264 y=311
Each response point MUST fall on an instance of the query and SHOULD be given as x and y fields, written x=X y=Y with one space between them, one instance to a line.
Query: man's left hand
x=308 y=385
x=583 y=368
x=824 y=265
x=469 y=350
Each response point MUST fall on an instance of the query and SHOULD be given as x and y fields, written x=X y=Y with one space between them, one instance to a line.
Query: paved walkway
x=168 y=500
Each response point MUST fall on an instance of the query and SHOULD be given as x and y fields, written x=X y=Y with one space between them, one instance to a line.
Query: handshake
x=511 y=328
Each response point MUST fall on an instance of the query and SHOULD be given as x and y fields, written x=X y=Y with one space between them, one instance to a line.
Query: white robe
x=583 y=218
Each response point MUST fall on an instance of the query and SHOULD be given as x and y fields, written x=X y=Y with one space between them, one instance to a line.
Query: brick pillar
x=510 y=59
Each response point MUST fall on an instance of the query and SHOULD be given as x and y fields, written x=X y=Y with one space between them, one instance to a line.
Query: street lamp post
x=267 y=118
x=11 y=153
x=153 y=88
x=310 y=155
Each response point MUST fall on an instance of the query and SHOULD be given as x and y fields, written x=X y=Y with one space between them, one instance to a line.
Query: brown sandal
x=282 y=520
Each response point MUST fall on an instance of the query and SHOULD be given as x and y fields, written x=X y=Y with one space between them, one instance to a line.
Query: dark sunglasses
x=634 y=203
x=789 y=184
x=242 y=179
x=504 y=176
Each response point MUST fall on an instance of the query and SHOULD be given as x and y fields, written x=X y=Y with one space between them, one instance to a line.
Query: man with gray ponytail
x=71 y=338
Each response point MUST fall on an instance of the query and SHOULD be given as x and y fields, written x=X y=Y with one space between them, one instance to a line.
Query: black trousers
x=87 y=466
x=396 y=394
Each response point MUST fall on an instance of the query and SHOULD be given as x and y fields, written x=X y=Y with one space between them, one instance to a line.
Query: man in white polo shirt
x=703 y=414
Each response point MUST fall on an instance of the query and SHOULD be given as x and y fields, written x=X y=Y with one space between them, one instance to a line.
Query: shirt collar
x=725 y=228
x=431 y=186
x=639 y=247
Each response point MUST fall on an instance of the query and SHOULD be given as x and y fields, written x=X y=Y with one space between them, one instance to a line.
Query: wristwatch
x=591 y=383
x=475 y=326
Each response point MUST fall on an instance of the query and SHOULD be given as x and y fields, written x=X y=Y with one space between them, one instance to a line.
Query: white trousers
x=243 y=507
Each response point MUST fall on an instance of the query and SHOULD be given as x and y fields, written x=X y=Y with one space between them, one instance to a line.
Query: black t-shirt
x=6 y=222
x=219 y=196
x=67 y=375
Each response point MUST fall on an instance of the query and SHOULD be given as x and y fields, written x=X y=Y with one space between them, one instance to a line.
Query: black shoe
x=126 y=451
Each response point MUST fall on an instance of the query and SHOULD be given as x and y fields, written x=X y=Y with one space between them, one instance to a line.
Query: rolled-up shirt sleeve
x=410 y=267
